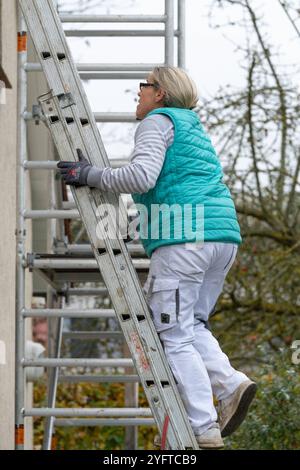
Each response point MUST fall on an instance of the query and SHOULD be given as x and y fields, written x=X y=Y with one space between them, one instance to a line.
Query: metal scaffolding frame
x=73 y=262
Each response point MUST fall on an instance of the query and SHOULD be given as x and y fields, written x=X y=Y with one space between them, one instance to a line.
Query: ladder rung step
x=89 y=33
x=69 y=18
x=69 y=313
x=52 y=362
x=105 y=422
x=99 y=378
x=72 y=412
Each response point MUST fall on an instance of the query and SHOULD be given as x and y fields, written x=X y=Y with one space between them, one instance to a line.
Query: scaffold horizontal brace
x=66 y=18
x=85 y=264
x=71 y=412
x=99 y=378
x=68 y=313
x=99 y=117
x=51 y=214
x=52 y=165
x=49 y=362
x=36 y=67
x=117 y=32
x=112 y=75
x=92 y=335
x=104 y=422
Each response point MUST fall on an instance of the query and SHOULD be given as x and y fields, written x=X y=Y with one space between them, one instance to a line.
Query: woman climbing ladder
x=175 y=165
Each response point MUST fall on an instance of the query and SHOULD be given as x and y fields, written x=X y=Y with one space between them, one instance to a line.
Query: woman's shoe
x=210 y=439
x=232 y=410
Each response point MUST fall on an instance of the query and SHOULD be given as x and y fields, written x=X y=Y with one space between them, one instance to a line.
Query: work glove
x=75 y=173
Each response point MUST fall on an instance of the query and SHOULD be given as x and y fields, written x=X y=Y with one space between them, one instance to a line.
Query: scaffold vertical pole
x=20 y=234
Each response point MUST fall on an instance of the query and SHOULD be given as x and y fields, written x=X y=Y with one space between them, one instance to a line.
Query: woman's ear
x=160 y=96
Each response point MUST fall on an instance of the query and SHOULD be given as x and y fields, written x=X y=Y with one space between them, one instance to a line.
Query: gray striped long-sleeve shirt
x=152 y=138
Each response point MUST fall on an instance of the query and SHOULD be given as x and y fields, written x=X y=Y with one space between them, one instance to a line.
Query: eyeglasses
x=144 y=85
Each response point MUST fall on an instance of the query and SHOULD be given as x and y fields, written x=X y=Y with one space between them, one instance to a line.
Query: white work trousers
x=183 y=286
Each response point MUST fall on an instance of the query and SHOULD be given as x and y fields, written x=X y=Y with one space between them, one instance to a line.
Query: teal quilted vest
x=189 y=202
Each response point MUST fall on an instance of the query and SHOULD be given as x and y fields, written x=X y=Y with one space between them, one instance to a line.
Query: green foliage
x=273 y=419
x=259 y=306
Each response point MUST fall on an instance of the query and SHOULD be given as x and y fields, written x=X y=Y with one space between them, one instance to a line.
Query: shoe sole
x=157 y=444
x=241 y=411
x=206 y=447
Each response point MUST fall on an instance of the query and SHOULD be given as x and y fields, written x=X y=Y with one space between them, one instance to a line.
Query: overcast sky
x=211 y=56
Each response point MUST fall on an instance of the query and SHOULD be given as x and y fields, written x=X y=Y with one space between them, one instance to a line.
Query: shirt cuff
x=94 y=177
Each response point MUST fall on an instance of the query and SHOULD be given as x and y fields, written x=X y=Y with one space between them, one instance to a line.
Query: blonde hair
x=181 y=91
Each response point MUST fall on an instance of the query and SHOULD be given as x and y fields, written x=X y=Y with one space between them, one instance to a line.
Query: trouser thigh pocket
x=230 y=261
x=164 y=303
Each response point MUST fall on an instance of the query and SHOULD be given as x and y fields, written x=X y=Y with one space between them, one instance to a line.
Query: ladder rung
x=117 y=32
x=52 y=362
x=99 y=378
x=105 y=422
x=69 y=313
x=66 y=18
x=72 y=412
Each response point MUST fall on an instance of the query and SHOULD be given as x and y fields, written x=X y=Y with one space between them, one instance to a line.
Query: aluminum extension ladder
x=72 y=125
